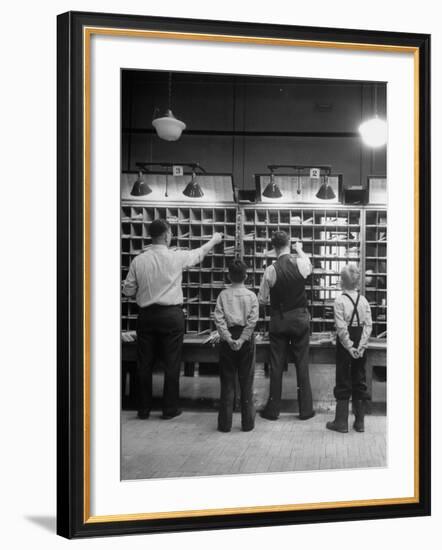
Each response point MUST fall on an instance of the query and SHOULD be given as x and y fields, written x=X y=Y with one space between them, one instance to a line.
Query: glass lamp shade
x=325 y=192
x=168 y=127
x=193 y=189
x=140 y=187
x=374 y=132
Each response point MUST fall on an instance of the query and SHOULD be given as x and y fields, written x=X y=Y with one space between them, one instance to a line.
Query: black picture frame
x=73 y=518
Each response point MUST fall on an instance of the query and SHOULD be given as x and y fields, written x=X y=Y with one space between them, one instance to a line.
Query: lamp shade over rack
x=325 y=191
x=272 y=191
x=140 y=187
x=193 y=188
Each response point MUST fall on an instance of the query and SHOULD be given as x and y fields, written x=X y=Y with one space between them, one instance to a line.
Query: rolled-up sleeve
x=252 y=319
x=304 y=266
x=220 y=319
x=268 y=280
x=341 y=325
x=130 y=284
x=367 y=326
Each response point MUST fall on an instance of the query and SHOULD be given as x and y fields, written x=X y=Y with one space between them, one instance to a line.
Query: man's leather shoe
x=143 y=414
x=267 y=416
x=169 y=415
x=223 y=430
x=247 y=428
x=307 y=416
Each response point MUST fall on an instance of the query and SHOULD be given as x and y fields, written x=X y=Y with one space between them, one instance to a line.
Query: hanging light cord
x=170 y=91
x=375 y=100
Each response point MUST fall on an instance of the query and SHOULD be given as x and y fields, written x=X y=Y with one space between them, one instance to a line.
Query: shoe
x=267 y=416
x=340 y=423
x=307 y=416
x=168 y=416
x=359 y=412
x=225 y=431
x=143 y=414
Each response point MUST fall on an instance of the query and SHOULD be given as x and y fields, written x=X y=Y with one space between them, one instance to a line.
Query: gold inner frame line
x=87 y=34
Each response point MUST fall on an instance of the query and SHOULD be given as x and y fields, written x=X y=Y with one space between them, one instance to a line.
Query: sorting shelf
x=331 y=236
x=376 y=267
x=191 y=227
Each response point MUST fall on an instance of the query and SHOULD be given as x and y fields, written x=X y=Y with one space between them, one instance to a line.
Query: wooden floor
x=190 y=445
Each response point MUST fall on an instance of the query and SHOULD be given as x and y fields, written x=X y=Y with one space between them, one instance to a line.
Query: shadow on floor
x=48 y=523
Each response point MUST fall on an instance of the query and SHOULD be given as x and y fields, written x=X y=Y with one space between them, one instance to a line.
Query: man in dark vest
x=284 y=283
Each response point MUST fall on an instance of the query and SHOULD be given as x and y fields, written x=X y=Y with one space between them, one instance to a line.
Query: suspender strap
x=355 y=308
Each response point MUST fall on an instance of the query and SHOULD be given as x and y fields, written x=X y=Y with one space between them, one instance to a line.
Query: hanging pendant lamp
x=374 y=130
x=167 y=126
x=140 y=187
x=193 y=188
x=325 y=192
x=272 y=191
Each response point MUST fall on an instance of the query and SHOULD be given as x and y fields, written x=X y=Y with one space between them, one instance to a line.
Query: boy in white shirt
x=236 y=314
x=353 y=327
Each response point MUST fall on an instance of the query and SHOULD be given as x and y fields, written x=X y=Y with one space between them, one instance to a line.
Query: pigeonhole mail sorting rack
x=332 y=235
x=192 y=226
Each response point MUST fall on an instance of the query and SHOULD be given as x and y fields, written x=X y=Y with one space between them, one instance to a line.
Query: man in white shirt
x=155 y=278
x=283 y=284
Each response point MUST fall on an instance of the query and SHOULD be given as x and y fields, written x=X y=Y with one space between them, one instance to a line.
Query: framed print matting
x=116 y=176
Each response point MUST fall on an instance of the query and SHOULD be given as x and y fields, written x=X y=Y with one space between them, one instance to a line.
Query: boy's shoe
x=340 y=423
x=359 y=411
x=143 y=414
x=307 y=416
x=223 y=430
x=169 y=415
x=247 y=428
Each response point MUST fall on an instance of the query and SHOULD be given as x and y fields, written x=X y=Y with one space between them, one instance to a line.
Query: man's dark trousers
x=239 y=363
x=290 y=329
x=160 y=333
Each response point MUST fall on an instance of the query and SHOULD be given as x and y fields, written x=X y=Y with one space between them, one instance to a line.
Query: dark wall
x=240 y=124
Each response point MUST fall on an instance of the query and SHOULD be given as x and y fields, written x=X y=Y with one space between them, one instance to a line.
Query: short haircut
x=158 y=228
x=350 y=277
x=280 y=239
x=237 y=271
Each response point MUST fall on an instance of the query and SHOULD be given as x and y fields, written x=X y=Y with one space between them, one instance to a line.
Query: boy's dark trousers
x=289 y=329
x=160 y=333
x=231 y=363
x=350 y=373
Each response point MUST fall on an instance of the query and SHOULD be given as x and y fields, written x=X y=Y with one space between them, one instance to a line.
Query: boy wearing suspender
x=353 y=328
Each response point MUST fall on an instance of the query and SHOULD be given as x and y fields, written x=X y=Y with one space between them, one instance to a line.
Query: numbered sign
x=178 y=170
x=315 y=173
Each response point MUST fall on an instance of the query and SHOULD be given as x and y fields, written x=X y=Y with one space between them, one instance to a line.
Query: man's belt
x=159 y=306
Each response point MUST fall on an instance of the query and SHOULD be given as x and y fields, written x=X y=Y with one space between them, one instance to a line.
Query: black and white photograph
x=219 y=290
x=254 y=303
